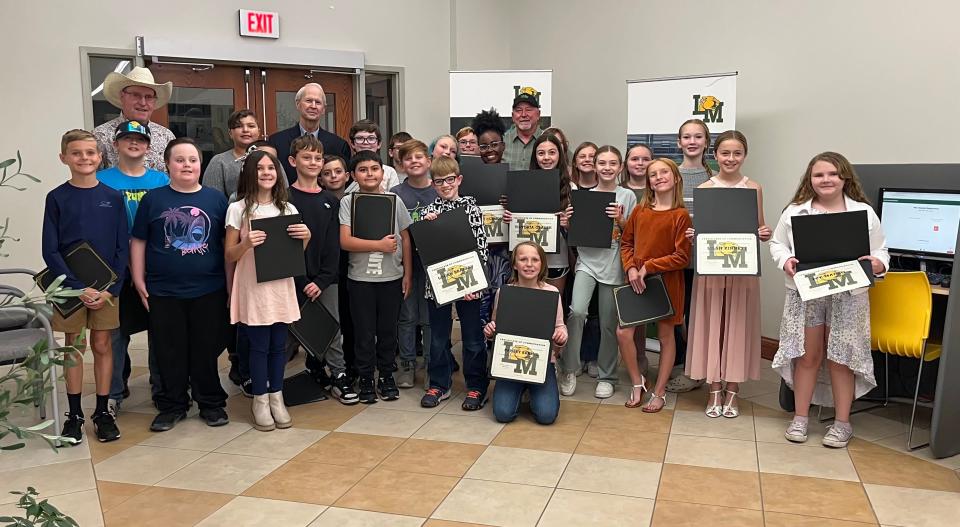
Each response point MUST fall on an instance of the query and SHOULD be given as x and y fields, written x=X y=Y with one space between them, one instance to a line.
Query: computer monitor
x=920 y=223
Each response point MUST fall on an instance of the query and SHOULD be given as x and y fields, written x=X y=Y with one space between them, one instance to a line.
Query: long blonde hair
x=851 y=183
x=706 y=146
x=648 y=195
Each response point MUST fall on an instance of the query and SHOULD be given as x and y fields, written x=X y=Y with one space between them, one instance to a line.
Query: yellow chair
x=900 y=306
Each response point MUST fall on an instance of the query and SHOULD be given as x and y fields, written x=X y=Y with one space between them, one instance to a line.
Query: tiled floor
x=396 y=464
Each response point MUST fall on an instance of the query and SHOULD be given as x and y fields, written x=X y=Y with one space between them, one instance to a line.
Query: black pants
x=375 y=309
x=189 y=334
x=346 y=328
x=678 y=331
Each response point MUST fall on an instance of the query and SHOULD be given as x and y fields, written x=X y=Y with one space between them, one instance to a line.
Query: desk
x=939 y=290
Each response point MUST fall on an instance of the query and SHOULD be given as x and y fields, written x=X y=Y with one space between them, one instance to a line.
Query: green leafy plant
x=5 y=181
x=38 y=513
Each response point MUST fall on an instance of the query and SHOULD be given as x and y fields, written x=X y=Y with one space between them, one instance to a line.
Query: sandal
x=648 y=409
x=715 y=408
x=633 y=403
x=729 y=410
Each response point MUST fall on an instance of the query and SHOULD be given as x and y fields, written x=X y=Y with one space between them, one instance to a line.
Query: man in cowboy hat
x=525 y=129
x=137 y=96
x=312 y=106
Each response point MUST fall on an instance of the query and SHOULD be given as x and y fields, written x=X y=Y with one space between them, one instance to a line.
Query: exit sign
x=262 y=24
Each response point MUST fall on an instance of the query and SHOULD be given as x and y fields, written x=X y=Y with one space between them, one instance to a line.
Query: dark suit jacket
x=332 y=145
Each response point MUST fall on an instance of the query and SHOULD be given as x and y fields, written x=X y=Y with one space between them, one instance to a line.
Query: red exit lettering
x=260 y=22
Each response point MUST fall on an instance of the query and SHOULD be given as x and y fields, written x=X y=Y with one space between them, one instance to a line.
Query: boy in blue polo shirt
x=132 y=179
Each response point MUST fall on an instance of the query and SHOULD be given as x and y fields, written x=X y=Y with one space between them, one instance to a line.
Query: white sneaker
x=796 y=432
x=568 y=383
x=113 y=407
x=604 y=390
x=837 y=437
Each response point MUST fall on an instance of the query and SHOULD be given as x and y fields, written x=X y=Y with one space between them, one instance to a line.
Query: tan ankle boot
x=279 y=410
x=262 y=419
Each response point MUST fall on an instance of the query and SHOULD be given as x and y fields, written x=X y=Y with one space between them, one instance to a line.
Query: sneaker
x=387 y=388
x=432 y=398
x=604 y=390
x=592 y=369
x=682 y=384
x=474 y=401
x=166 y=421
x=342 y=389
x=246 y=388
x=106 y=427
x=321 y=377
x=837 y=437
x=113 y=406
x=568 y=383
x=368 y=395
x=73 y=429
x=797 y=432
x=405 y=375
x=214 y=416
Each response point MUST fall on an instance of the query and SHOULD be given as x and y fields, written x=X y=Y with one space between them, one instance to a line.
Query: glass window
x=202 y=114
x=379 y=106
x=287 y=113
x=103 y=111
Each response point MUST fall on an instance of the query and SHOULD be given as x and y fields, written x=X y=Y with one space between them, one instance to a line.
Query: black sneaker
x=342 y=389
x=474 y=401
x=214 y=416
x=246 y=388
x=367 y=394
x=432 y=398
x=387 y=388
x=166 y=420
x=106 y=427
x=72 y=429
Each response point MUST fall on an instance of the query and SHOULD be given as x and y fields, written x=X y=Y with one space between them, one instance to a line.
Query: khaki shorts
x=105 y=318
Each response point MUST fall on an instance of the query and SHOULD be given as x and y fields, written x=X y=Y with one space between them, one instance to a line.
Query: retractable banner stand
x=657 y=107
x=474 y=91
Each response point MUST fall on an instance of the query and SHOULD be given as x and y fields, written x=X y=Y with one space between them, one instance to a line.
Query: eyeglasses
x=490 y=146
x=449 y=180
x=467 y=142
x=138 y=96
x=369 y=140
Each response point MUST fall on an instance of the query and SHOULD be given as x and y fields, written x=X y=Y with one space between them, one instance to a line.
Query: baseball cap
x=132 y=127
x=528 y=95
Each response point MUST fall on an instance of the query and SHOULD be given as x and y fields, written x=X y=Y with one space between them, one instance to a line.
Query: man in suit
x=312 y=106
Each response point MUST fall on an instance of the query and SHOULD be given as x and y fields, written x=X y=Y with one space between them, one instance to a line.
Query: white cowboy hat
x=116 y=82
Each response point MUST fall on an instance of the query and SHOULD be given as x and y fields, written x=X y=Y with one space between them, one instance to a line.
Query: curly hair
x=488 y=120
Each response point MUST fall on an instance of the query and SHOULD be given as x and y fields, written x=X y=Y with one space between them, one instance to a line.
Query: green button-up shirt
x=517 y=154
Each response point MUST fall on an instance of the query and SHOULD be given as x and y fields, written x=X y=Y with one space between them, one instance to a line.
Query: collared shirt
x=475 y=217
x=159 y=137
x=781 y=244
x=517 y=154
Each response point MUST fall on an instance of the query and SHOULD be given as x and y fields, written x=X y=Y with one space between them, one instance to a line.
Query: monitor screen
x=920 y=222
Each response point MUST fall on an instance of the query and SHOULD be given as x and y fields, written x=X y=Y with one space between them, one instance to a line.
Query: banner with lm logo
x=830 y=280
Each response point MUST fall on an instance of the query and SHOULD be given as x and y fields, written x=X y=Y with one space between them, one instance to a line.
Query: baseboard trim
x=768 y=347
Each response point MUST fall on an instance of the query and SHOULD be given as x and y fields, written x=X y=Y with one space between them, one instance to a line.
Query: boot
x=279 y=410
x=262 y=420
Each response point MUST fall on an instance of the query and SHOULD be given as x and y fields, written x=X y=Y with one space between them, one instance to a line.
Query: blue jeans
x=544 y=399
x=267 y=356
x=120 y=342
x=414 y=312
x=440 y=366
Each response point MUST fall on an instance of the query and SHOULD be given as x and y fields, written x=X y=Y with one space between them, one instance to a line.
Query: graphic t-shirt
x=132 y=188
x=415 y=199
x=184 y=233
x=375 y=266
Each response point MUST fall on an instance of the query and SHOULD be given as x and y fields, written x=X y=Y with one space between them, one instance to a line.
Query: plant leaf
x=7 y=162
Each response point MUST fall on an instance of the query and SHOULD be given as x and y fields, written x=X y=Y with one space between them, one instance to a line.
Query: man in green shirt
x=526 y=128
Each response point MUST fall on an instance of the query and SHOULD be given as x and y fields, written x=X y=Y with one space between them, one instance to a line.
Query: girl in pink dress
x=724 y=336
x=264 y=309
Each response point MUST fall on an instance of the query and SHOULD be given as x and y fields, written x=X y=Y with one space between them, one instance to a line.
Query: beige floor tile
x=134 y=428
x=555 y=438
x=306 y=482
x=760 y=410
x=446 y=523
x=337 y=517
x=825 y=463
x=585 y=393
x=873 y=428
x=779 y=519
x=378 y=421
x=898 y=443
x=145 y=465
x=914 y=507
x=698 y=424
x=324 y=415
x=824 y=498
x=36 y=453
x=886 y=467
x=632 y=419
x=83 y=507
x=404 y=493
x=194 y=434
x=576 y=508
x=223 y=473
x=519 y=465
x=112 y=493
x=278 y=444
x=244 y=511
x=624 y=477
x=479 y=430
x=673 y=513
x=350 y=450
x=165 y=507
x=771 y=401
x=771 y=429
x=49 y=480
x=712 y=452
x=751 y=389
x=572 y=413
x=710 y=486
x=518 y=505
x=440 y=458
x=607 y=442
